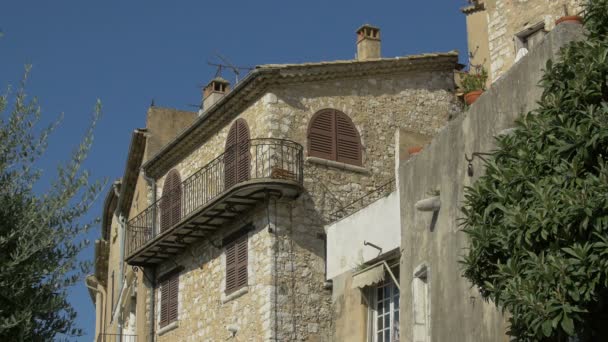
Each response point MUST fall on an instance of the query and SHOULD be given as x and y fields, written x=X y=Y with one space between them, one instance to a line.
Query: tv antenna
x=227 y=64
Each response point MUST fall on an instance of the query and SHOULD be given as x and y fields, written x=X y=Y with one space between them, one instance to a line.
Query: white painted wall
x=378 y=223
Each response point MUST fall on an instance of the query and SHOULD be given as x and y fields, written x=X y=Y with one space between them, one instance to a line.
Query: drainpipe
x=152 y=183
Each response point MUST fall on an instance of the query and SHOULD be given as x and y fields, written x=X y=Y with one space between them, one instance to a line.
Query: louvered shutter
x=243 y=160
x=231 y=268
x=171 y=201
x=173 y=296
x=241 y=253
x=230 y=158
x=237 y=155
x=164 y=303
x=321 y=135
x=348 y=143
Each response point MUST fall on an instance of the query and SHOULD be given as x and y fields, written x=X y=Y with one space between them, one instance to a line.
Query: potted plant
x=474 y=83
x=577 y=19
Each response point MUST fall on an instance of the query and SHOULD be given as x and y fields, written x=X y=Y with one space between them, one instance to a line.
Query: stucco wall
x=378 y=223
x=457 y=312
x=506 y=18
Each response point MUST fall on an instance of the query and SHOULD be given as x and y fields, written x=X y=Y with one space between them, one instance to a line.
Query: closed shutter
x=241 y=266
x=164 y=303
x=231 y=268
x=171 y=202
x=348 y=143
x=173 y=296
x=237 y=155
x=332 y=135
x=236 y=265
x=169 y=299
x=321 y=135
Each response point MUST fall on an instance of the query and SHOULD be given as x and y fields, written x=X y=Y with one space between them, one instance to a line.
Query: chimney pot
x=214 y=91
x=368 y=42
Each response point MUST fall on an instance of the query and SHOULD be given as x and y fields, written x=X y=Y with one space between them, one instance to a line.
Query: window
x=527 y=39
x=420 y=301
x=332 y=135
x=385 y=307
x=237 y=155
x=169 y=288
x=236 y=264
x=171 y=201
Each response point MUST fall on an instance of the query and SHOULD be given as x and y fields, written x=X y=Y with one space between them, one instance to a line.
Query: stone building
x=499 y=32
x=220 y=218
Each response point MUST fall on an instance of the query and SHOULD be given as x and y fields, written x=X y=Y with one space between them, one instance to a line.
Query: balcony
x=232 y=183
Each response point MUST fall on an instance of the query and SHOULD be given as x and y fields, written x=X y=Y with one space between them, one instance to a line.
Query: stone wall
x=457 y=311
x=506 y=18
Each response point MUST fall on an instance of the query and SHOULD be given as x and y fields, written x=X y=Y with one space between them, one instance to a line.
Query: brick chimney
x=368 y=42
x=214 y=91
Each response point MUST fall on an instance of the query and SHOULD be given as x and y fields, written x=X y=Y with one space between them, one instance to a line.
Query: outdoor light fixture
x=470 y=161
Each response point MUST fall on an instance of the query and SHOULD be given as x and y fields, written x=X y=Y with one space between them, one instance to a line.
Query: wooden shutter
x=164 y=303
x=231 y=268
x=241 y=266
x=348 y=143
x=169 y=299
x=237 y=156
x=171 y=202
x=321 y=135
x=236 y=265
x=173 y=296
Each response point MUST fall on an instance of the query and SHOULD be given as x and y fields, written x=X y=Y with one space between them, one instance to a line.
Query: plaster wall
x=457 y=312
x=378 y=223
x=505 y=19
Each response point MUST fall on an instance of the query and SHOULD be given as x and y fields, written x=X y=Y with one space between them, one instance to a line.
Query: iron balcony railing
x=361 y=202
x=116 y=338
x=254 y=159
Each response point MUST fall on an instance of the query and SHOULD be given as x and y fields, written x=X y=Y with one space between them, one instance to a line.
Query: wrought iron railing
x=254 y=159
x=116 y=338
x=361 y=202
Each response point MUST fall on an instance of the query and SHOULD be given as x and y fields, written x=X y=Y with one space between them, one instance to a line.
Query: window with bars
x=385 y=312
x=333 y=136
x=169 y=291
x=236 y=264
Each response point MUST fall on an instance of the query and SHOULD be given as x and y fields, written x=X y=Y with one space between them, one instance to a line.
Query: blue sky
x=129 y=52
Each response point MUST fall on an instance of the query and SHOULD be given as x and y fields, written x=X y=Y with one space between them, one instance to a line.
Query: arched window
x=237 y=156
x=171 y=202
x=332 y=135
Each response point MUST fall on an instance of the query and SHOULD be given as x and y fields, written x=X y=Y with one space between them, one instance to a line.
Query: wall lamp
x=470 y=160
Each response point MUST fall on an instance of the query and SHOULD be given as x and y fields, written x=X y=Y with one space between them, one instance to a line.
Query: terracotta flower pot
x=414 y=150
x=472 y=96
x=569 y=19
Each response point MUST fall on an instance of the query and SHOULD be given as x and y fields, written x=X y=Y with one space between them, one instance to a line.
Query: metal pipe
x=151 y=183
x=103 y=302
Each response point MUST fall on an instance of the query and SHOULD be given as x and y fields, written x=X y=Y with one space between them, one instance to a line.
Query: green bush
x=538 y=219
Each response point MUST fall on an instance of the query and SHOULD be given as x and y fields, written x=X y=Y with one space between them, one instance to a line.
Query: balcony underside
x=209 y=219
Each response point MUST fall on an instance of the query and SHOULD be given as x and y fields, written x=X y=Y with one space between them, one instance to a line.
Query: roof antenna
x=152 y=103
x=227 y=64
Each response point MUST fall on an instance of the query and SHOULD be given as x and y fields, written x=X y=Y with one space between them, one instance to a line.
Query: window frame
x=393 y=300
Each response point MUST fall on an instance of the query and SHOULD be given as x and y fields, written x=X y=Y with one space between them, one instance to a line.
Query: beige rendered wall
x=457 y=311
x=506 y=18
x=477 y=39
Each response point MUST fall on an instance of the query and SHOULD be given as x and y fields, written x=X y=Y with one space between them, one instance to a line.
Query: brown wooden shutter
x=236 y=265
x=348 y=142
x=241 y=253
x=169 y=299
x=231 y=268
x=237 y=155
x=171 y=201
x=321 y=135
x=173 y=297
x=164 y=303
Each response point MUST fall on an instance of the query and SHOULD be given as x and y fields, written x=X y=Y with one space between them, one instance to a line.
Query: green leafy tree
x=40 y=234
x=538 y=219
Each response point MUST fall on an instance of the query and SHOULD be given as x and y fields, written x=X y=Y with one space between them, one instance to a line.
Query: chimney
x=214 y=91
x=368 y=42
